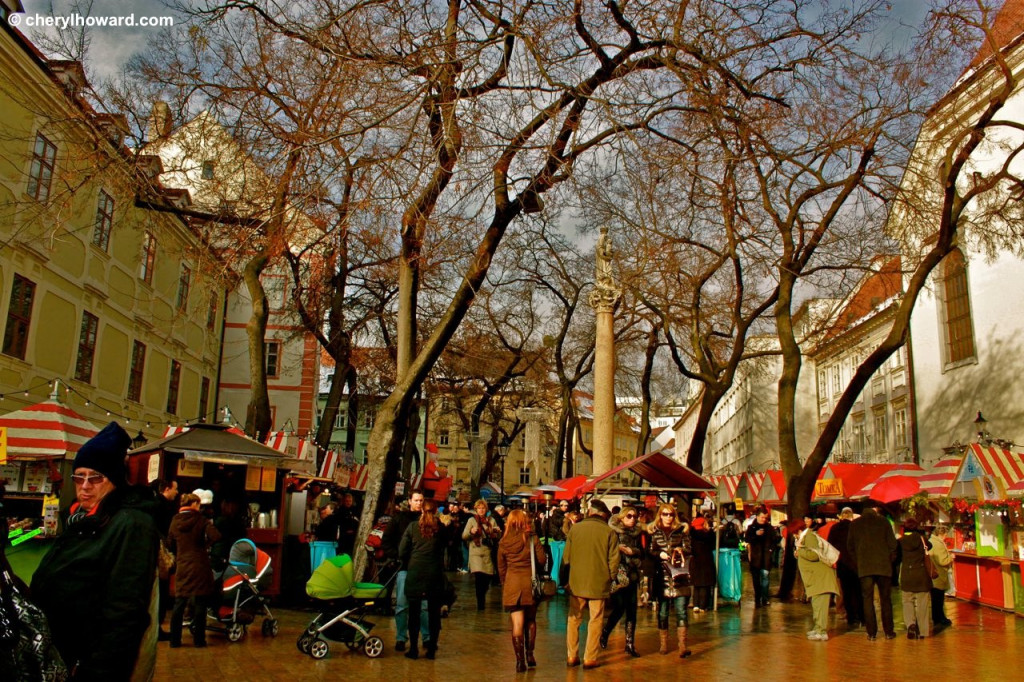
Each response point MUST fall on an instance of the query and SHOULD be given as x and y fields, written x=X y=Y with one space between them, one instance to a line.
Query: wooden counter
x=984 y=580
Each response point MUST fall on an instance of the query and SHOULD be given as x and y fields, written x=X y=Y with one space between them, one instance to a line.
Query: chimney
x=159 y=121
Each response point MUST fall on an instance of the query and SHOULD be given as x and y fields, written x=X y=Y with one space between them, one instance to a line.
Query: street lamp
x=503 y=448
x=139 y=440
x=979 y=425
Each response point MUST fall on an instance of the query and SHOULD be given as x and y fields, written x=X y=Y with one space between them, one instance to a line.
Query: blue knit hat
x=106 y=452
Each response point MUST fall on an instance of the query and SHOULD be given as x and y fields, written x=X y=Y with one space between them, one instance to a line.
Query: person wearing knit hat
x=97 y=584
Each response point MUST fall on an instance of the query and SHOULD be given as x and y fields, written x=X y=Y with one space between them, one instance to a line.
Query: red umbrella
x=895 y=488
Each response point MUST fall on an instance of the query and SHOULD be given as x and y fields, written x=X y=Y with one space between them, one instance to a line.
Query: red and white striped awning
x=725 y=485
x=772 y=487
x=749 y=486
x=46 y=430
x=1003 y=464
x=936 y=480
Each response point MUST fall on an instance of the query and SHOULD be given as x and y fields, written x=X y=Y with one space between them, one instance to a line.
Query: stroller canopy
x=246 y=562
x=335 y=579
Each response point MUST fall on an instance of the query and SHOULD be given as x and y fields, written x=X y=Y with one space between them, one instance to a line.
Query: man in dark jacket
x=872 y=545
x=390 y=544
x=761 y=540
x=554 y=531
x=846 y=569
x=97 y=585
x=592 y=555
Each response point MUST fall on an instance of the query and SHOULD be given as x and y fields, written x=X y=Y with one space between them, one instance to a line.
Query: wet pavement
x=736 y=642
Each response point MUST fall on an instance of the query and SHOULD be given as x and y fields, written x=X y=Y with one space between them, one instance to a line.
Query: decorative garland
x=966 y=506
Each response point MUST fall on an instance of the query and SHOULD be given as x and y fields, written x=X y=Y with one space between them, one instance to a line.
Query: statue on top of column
x=603 y=268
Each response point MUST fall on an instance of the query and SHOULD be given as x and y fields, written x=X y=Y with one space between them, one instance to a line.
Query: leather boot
x=414 y=648
x=631 y=640
x=683 y=651
x=519 y=647
x=531 y=640
x=663 y=636
x=604 y=638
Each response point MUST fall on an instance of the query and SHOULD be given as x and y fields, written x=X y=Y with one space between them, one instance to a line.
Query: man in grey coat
x=592 y=555
x=872 y=546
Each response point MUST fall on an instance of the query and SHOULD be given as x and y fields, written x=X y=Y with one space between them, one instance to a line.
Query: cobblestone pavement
x=738 y=643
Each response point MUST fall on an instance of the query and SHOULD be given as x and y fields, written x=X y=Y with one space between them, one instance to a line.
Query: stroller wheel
x=318 y=649
x=304 y=642
x=235 y=632
x=270 y=627
x=373 y=647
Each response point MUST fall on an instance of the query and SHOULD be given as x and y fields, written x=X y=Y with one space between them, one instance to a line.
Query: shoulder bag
x=929 y=565
x=678 y=570
x=543 y=588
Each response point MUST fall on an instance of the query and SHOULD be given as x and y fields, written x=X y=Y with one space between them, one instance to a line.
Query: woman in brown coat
x=190 y=537
x=516 y=573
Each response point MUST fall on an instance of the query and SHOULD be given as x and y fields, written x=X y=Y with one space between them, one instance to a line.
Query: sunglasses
x=93 y=479
x=667 y=514
x=630 y=516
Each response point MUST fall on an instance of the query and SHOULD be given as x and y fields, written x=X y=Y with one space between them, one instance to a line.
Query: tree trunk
x=257 y=415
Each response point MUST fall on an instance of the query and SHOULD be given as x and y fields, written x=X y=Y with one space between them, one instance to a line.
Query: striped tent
x=726 y=485
x=1003 y=464
x=773 y=487
x=46 y=430
x=936 y=480
x=749 y=485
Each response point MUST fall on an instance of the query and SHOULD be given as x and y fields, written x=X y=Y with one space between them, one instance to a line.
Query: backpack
x=730 y=536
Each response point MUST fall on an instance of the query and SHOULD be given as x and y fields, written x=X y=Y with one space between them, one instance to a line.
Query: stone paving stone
x=735 y=643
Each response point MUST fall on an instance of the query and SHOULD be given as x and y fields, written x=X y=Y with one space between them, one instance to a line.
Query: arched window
x=959 y=329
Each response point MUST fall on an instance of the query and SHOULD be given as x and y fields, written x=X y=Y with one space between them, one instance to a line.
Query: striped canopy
x=936 y=480
x=46 y=430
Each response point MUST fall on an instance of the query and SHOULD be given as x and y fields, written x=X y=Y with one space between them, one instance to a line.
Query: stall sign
x=990 y=533
x=11 y=472
x=400 y=488
x=37 y=478
x=268 y=479
x=153 y=467
x=253 y=477
x=3 y=444
x=51 y=514
x=738 y=502
x=190 y=469
x=829 y=487
x=989 y=488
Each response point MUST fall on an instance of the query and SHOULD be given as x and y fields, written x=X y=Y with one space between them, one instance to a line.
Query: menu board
x=37 y=478
x=990 y=533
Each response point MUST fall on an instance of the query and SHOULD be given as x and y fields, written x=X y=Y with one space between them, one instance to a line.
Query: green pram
x=344 y=601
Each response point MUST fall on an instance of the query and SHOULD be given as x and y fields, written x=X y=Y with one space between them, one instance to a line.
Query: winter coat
x=97 y=583
x=231 y=529
x=913 y=574
x=702 y=567
x=761 y=547
x=631 y=538
x=818 y=577
x=942 y=560
x=190 y=537
x=480 y=546
x=668 y=541
x=839 y=537
x=515 y=569
x=423 y=558
x=554 y=526
x=592 y=555
x=872 y=544
x=395 y=531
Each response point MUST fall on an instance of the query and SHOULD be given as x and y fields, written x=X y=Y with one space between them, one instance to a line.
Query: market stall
x=246 y=477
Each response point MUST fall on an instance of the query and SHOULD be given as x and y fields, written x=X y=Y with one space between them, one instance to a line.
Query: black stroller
x=344 y=605
x=247 y=572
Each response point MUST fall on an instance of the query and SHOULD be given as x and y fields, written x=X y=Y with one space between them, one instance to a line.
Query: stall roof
x=660 y=470
x=852 y=478
x=1003 y=464
x=773 y=487
x=46 y=430
x=572 y=488
x=216 y=443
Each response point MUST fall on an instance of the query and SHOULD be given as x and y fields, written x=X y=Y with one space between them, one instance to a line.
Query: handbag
x=26 y=647
x=929 y=565
x=620 y=579
x=678 y=573
x=165 y=561
x=543 y=588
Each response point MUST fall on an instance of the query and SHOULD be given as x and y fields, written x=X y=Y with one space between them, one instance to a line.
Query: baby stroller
x=247 y=572
x=344 y=605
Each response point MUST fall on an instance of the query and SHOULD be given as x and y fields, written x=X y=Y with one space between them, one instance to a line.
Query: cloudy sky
x=111 y=47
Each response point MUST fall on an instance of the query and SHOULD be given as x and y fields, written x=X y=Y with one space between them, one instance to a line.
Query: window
x=40 y=174
x=204 y=398
x=822 y=385
x=184 y=283
x=86 y=347
x=443 y=437
x=881 y=432
x=172 y=387
x=208 y=169
x=524 y=476
x=104 y=221
x=148 y=258
x=135 y=373
x=837 y=386
x=899 y=423
x=19 y=315
x=272 y=358
x=877 y=386
x=369 y=417
x=211 y=313
x=959 y=328
x=341 y=419
x=859 y=438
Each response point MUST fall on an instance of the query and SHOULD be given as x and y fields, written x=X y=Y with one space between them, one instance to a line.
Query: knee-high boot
x=519 y=647
x=531 y=640
x=631 y=639
x=681 y=633
x=663 y=636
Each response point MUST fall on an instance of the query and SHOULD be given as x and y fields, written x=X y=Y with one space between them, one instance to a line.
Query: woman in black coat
x=190 y=537
x=702 y=567
x=422 y=550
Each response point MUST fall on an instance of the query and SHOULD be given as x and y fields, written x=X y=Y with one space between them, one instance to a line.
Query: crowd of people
x=105 y=597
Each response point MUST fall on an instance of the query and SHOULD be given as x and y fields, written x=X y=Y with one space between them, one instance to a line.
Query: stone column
x=603 y=299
